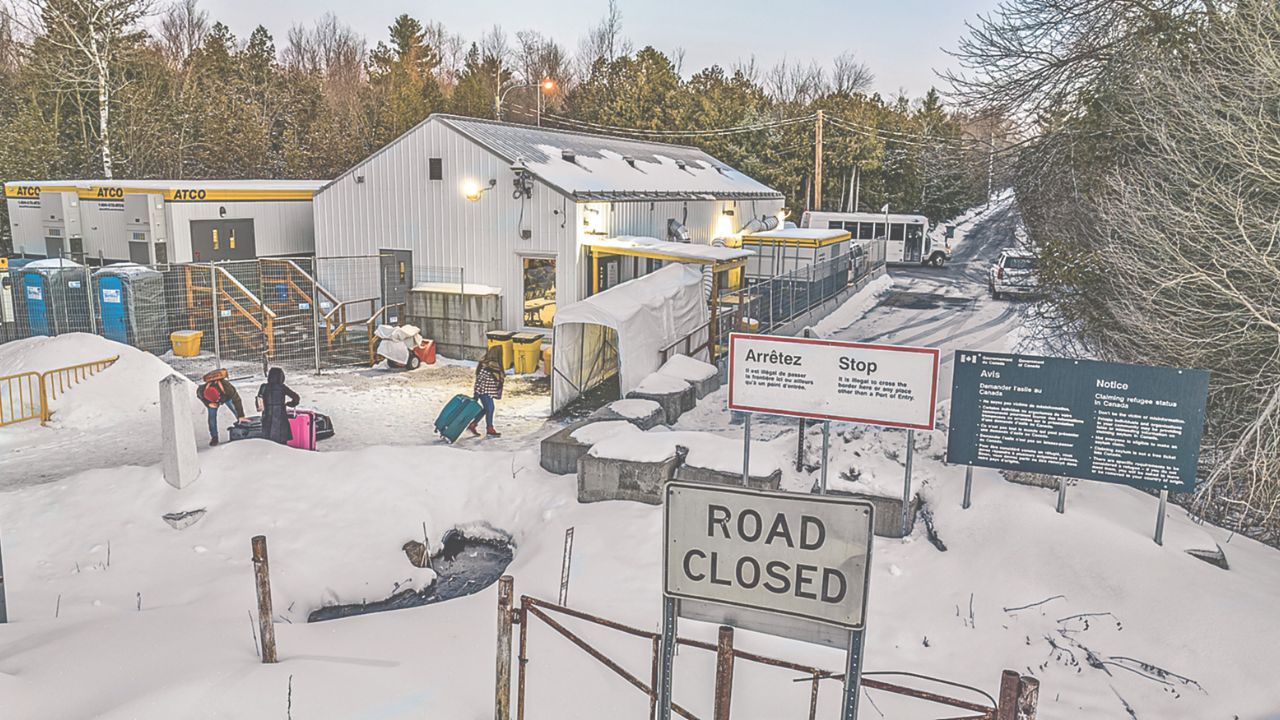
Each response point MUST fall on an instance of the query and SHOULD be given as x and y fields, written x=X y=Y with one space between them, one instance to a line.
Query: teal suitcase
x=457 y=414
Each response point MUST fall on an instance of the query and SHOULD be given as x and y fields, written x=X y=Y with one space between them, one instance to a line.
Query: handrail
x=30 y=400
x=41 y=388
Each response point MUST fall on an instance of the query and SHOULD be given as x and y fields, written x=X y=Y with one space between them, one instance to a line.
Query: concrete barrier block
x=560 y=452
x=689 y=473
x=177 y=439
x=601 y=478
x=644 y=414
x=888 y=513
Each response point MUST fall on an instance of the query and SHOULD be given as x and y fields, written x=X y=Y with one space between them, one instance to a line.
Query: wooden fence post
x=502 y=685
x=1028 y=697
x=724 y=673
x=262 y=578
x=1007 y=707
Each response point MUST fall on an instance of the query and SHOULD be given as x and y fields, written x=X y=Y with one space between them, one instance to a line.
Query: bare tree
x=603 y=42
x=792 y=83
x=849 y=75
x=91 y=37
x=451 y=48
x=181 y=30
x=328 y=48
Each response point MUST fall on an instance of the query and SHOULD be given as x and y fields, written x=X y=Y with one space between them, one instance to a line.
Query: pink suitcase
x=303 y=426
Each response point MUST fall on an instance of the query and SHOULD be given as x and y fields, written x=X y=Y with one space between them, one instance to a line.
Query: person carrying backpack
x=273 y=397
x=490 y=374
x=215 y=392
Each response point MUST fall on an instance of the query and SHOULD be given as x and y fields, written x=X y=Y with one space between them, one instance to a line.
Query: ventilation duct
x=708 y=274
x=677 y=232
x=569 y=156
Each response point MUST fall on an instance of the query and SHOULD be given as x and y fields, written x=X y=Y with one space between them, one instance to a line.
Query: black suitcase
x=249 y=428
x=324 y=426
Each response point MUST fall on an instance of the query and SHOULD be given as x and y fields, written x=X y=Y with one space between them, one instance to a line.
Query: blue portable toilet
x=131 y=306
x=56 y=297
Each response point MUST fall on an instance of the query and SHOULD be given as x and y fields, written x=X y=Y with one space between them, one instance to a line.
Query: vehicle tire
x=938 y=260
x=414 y=362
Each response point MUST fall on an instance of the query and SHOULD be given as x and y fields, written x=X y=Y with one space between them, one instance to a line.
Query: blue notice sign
x=1130 y=424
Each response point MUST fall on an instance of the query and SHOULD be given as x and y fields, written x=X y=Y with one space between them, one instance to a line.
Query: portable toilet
x=56 y=297
x=131 y=306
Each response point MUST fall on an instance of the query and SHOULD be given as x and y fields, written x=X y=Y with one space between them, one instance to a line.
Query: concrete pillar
x=181 y=466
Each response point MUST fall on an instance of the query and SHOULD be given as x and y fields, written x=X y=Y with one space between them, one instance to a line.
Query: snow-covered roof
x=601 y=167
x=681 y=252
x=162 y=185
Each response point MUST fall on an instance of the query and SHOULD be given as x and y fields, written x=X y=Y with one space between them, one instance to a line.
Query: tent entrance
x=593 y=373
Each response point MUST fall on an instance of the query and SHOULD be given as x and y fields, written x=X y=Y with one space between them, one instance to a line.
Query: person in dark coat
x=490 y=374
x=215 y=392
x=273 y=397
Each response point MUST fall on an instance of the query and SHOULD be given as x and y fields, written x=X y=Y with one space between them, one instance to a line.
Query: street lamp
x=547 y=86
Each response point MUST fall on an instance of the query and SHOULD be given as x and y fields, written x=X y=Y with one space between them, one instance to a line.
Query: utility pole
x=817 y=163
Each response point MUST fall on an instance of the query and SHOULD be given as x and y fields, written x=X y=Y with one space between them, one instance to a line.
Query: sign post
x=786 y=564
x=1111 y=422
x=826 y=453
x=1164 y=507
x=968 y=486
x=906 y=484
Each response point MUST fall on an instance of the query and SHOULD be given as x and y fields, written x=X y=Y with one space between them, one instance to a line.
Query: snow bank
x=597 y=432
x=125 y=393
x=706 y=450
x=634 y=407
x=855 y=308
x=687 y=368
x=660 y=384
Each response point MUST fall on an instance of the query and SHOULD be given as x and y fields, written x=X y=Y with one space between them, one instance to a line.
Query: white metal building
x=509 y=206
x=158 y=221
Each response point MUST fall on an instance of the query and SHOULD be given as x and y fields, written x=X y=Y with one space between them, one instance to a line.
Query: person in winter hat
x=490 y=374
x=215 y=392
x=273 y=397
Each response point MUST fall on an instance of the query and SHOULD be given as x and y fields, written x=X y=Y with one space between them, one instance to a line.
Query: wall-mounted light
x=472 y=190
x=724 y=224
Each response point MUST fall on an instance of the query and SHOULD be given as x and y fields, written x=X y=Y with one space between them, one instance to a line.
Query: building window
x=435 y=169
x=162 y=253
x=895 y=231
x=539 y=291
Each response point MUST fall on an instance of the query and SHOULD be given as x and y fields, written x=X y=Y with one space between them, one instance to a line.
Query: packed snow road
x=949 y=307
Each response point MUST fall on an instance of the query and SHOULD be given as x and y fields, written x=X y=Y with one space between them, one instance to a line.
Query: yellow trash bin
x=502 y=338
x=186 y=343
x=528 y=349
x=546 y=360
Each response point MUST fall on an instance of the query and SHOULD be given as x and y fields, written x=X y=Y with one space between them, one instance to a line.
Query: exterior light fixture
x=472 y=190
x=548 y=85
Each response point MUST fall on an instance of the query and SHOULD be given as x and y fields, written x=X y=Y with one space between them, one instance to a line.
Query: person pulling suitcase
x=215 y=392
x=490 y=375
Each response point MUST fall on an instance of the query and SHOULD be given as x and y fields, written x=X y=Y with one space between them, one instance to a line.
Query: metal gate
x=1018 y=695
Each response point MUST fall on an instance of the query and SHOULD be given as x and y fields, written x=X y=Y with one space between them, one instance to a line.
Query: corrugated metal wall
x=398 y=207
x=280 y=227
x=703 y=218
x=26 y=226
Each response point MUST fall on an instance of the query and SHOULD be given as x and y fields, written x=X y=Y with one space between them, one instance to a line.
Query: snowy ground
x=114 y=614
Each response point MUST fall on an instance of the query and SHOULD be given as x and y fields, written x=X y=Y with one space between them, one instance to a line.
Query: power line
x=711 y=132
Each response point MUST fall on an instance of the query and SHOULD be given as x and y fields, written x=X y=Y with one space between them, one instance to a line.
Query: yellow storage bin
x=546 y=360
x=528 y=349
x=502 y=338
x=186 y=343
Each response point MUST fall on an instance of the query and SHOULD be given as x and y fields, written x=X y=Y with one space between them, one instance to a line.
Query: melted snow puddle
x=464 y=566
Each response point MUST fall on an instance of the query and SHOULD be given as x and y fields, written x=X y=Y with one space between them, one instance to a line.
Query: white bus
x=908 y=243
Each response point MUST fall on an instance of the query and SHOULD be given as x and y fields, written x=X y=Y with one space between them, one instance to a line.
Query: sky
x=902 y=41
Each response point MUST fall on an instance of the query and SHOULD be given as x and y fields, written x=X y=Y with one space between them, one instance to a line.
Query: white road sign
x=806 y=556
x=889 y=385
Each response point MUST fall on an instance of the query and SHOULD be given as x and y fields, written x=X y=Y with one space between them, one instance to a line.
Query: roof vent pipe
x=629 y=160
x=680 y=164
x=569 y=156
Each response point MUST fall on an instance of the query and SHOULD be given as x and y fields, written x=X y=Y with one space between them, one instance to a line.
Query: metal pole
x=315 y=313
x=502 y=683
x=668 y=659
x=853 y=674
x=213 y=305
x=724 y=674
x=1062 y=495
x=968 y=485
x=906 y=484
x=746 y=451
x=800 y=447
x=93 y=309
x=1164 y=506
x=4 y=612
x=826 y=453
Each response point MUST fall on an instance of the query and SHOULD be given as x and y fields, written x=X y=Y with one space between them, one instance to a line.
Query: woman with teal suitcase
x=464 y=412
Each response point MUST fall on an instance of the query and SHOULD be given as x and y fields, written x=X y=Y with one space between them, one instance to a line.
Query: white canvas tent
x=624 y=329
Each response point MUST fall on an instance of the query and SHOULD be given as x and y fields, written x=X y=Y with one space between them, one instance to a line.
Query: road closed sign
x=805 y=556
x=887 y=385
